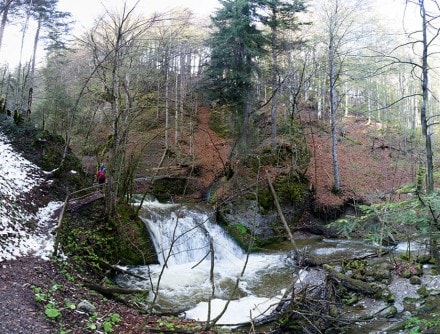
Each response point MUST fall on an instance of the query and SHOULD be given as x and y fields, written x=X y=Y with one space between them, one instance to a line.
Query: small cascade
x=183 y=235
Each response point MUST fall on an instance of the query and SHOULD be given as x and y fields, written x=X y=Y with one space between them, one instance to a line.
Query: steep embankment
x=373 y=160
x=26 y=218
x=373 y=163
x=26 y=213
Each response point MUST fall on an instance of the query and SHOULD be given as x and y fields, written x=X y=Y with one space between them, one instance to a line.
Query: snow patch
x=21 y=232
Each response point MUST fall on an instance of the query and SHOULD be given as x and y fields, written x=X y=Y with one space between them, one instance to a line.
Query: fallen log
x=352 y=283
x=316 y=261
x=128 y=272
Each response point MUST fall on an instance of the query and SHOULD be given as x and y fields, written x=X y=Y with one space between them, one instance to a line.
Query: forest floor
x=372 y=164
x=373 y=161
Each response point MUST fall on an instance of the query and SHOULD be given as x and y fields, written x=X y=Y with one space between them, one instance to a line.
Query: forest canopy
x=132 y=78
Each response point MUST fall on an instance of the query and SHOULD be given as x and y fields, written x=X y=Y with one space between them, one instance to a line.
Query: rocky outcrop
x=244 y=201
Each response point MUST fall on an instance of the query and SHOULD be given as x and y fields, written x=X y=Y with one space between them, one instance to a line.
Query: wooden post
x=55 y=231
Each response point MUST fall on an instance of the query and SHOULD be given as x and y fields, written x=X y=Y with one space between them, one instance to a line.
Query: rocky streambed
x=344 y=286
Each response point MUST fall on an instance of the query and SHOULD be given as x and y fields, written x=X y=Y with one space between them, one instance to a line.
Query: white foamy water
x=183 y=238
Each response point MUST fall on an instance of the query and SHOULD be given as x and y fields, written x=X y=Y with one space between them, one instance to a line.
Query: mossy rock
x=351 y=299
x=133 y=243
x=389 y=312
x=240 y=234
x=290 y=191
x=90 y=240
x=165 y=189
x=257 y=212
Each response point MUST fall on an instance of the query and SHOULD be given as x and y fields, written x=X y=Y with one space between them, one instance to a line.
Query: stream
x=184 y=235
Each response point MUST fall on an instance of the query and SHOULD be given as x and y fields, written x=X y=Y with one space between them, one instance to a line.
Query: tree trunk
x=5 y=11
x=333 y=108
x=21 y=82
x=424 y=121
x=167 y=97
x=32 y=73
x=274 y=112
x=177 y=69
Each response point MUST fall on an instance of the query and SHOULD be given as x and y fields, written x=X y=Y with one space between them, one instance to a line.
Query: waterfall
x=184 y=235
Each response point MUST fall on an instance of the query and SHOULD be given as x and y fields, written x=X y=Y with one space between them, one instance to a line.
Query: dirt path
x=19 y=311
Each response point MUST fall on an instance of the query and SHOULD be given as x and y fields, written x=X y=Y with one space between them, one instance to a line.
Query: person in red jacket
x=100 y=174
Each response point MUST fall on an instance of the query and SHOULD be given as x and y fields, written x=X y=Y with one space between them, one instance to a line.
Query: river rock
x=400 y=307
x=424 y=259
x=407 y=273
x=388 y=312
x=248 y=208
x=388 y=296
x=434 y=293
x=415 y=280
x=382 y=272
x=86 y=307
x=422 y=291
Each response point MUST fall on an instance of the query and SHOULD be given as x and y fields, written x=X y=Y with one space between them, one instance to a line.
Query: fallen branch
x=110 y=291
x=280 y=211
x=315 y=261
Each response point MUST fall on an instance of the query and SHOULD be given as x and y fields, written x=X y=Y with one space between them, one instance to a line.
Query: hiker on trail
x=100 y=174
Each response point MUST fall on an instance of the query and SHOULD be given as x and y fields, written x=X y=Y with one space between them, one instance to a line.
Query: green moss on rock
x=165 y=189
x=92 y=241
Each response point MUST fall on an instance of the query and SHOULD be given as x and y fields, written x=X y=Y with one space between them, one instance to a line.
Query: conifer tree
x=279 y=16
x=235 y=45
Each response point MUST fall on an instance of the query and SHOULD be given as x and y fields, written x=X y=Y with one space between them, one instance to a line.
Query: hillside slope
x=373 y=162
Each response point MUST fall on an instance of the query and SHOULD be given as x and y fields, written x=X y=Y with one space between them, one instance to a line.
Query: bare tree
x=48 y=18
x=4 y=12
x=116 y=43
x=429 y=33
x=339 y=19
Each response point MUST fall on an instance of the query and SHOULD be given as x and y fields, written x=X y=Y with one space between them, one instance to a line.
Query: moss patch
x=93 y=242
x=165 y=189
x=290 y=191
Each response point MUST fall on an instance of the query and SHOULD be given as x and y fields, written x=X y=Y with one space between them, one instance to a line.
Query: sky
x=84 y=12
